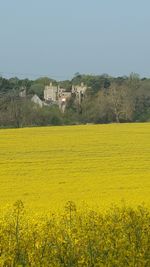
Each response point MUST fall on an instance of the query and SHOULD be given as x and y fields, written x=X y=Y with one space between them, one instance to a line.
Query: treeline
x=107 y=99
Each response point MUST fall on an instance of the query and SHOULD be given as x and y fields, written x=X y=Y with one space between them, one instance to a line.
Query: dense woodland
x=108 y=99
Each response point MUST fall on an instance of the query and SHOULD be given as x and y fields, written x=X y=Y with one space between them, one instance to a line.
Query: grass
x=99 y=164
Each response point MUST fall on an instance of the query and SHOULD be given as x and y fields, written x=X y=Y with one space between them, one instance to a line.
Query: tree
x=121 y=102
x=37 y=89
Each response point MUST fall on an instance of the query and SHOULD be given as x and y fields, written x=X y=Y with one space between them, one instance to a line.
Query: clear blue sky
x=58 y=38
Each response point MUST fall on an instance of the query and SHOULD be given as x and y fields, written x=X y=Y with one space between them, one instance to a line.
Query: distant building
x=50 y=93
x=22 y=92
x=79 y=92
x=60 y=96
x=63 y=97
x=35 y=99
x=56 y=95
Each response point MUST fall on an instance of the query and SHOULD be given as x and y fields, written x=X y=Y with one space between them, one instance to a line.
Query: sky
x=58 y=38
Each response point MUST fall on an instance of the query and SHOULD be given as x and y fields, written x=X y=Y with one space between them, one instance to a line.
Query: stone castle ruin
x=56 y=95
x=79 y=92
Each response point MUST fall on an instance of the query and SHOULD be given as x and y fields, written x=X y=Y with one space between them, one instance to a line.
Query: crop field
x=72 y=196
x=96 y=164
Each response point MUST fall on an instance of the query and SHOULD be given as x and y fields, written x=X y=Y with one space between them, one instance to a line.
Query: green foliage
x=107 y=99
x=7 y=85
x=66 y=84
x=94 y=82
x=39 y=84
x=38 y=89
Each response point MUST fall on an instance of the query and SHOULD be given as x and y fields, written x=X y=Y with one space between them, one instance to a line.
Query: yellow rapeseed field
x=56 y=168
x=98 y=164
x=86 y=238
